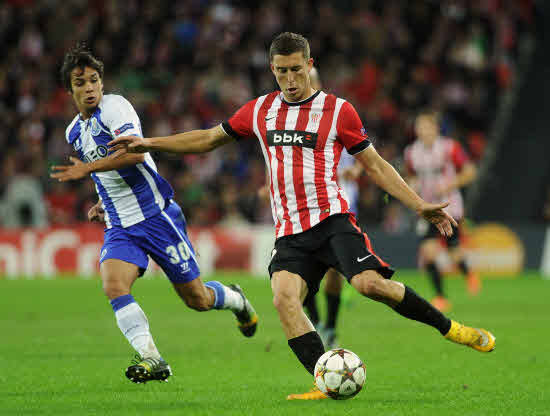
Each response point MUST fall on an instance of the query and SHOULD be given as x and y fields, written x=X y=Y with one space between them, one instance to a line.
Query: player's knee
x=285 y=300
x=456 y=254
x=114 y=288
x=197 y=302
x=372 y=287
x=429 y=251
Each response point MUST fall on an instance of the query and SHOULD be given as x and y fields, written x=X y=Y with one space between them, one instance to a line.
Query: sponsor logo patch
x=96 y=154
x=359 y=260
x=123 y=128
x=292 y=138
x=184 y=267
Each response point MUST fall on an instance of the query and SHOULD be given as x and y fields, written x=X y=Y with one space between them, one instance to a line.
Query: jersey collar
x=307 y=100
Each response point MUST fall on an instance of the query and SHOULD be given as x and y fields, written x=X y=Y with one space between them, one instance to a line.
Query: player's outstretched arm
x=79 y=169
x=385 y=176
x=195 y=141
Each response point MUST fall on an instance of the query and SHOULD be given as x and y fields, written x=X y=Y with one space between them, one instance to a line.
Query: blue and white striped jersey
x=132 y=194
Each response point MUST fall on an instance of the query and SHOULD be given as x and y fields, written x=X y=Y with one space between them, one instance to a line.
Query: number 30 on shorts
x=177 y=255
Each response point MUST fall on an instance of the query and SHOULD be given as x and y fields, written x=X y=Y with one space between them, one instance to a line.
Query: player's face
x=87 y=89
x=426 y=129
x=292 y=75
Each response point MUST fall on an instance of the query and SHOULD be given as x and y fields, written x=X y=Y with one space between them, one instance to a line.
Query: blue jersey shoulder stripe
x=75 y=132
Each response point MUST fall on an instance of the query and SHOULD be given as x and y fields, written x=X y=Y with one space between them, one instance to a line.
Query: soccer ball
x=340 y=374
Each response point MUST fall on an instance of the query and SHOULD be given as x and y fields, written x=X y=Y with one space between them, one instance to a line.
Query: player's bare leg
x=195 y=295
x=473 y=282
x=289 y=291
x=333 y=282
x=407 y=303
x=430 y=249
x=214 y=295
x=118 y=277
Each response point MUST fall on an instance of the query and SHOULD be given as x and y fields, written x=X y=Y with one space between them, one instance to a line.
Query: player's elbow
x=468 y=174
x=215 y=137
x=372 y=163
x=208 y=142
x=209 y=145
x=473 y=172
x=375 y=171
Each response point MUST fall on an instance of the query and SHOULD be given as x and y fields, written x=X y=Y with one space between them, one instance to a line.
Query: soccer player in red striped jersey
x=348 y=171
x=302 y=133
x=437 y=168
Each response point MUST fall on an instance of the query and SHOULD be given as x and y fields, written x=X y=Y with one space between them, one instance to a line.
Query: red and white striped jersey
x=302 y=143
x=436 y=167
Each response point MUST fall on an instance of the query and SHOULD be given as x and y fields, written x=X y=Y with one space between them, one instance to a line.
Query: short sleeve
x=350 y=130
x=240 y=124
x=458 y=155
x=120 y=117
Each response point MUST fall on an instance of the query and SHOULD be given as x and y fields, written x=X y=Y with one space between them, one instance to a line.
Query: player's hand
x=435 y=214
x=72 y=172
x=96 y=213
x=129 y=144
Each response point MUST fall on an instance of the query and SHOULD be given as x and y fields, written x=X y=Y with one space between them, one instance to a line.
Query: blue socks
x=121 y=302
x=219 y=293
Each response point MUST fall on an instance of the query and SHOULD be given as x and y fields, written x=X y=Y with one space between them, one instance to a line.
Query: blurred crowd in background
x=190 y=64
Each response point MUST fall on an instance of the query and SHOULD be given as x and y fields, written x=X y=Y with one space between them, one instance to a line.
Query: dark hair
x=287 y=43
x=79 y=57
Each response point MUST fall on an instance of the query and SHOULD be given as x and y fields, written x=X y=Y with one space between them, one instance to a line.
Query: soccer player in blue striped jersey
x=141 y=218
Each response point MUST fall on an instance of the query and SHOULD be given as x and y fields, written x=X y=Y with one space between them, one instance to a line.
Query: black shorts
x=452 y=241
x=335 y=242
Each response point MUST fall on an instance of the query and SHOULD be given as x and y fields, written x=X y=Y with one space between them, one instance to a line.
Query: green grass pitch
x=61 y=353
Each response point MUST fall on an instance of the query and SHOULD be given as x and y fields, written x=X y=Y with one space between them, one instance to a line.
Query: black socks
x=308 y=348
x=435 y=275
x=463 y=267
x=333 y=304
x=414 y=307
x=311 y=308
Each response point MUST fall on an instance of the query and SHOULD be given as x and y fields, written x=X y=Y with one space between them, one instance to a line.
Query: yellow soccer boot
x=476 y=338
x=313 y=394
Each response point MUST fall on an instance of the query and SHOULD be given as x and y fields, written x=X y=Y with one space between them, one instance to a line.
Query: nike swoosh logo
x=270 y=118
x=359 y=260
